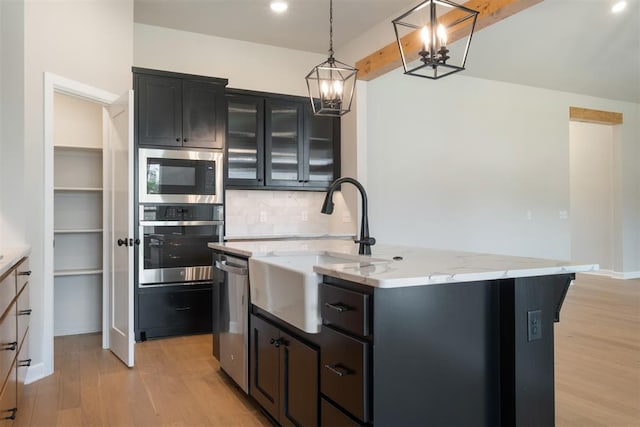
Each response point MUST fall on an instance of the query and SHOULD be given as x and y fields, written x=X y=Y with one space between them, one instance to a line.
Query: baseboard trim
x=627 y=275
x=34 y=373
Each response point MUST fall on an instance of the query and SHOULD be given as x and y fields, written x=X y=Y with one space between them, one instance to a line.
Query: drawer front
x=24 y=313
x=24 y=272
x=23 y=362
x=7 y=291
x=344 y=372
x=9 y=400
x=8 y=342
x=334 y=417
x=187 y=310
x=345 y=309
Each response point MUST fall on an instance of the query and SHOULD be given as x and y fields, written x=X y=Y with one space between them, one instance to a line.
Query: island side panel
x=528 y=310
x=437 y=355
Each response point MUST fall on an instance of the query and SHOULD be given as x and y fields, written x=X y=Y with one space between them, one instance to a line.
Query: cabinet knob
x=278 y=342
x=178 y=139
x=122 y=242
x=185 y=140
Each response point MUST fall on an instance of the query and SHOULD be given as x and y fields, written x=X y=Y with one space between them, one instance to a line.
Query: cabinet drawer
x=170 y=312
x=23 y=272
x=24 y=313
x=22 y=364
x=344 y=372
x=8 y=342
x=8 y=399
x=334 y=417
x=7 y=291
x=346 y=309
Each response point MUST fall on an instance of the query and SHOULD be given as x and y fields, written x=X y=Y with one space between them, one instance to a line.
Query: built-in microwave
x=180 y=176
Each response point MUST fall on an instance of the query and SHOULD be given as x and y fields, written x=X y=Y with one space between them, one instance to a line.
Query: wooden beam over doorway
x=388 y=58
x=600 y=117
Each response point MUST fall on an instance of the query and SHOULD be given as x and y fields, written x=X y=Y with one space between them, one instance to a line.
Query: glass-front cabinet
x=245 y=138
x=275 y=141
x=283 y=143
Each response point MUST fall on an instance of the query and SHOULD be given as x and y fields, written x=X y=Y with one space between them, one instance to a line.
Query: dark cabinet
x=275 y=141
x=174 y=310
x=245 y=140
x=283 y=375
x=178 y=110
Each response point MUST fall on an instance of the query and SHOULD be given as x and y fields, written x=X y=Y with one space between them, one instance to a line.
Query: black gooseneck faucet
x=365 y=241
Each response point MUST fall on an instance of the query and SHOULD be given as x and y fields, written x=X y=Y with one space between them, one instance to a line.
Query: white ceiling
x=568 y=45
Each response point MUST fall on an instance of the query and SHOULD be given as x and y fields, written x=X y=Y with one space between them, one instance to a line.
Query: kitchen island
x=412 y=336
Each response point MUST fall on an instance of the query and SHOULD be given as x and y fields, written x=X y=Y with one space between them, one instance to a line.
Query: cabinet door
x=265 y=365
x=321 y=163
x=159 y=110
x=202 y=115
x=300 y=389
x=283 y=143
x=245 y=141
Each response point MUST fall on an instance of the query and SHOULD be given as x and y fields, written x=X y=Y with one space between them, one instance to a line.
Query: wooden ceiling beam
x=388 y=58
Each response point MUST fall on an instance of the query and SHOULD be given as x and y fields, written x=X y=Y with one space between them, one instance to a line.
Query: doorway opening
x=594 y=189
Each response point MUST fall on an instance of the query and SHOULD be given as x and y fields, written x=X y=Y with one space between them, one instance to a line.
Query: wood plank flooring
x=176 y=382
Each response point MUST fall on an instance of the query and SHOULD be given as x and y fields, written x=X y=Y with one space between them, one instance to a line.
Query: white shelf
x=78 y=231
x=78 y=272
x=62 y=147
x=78 y=189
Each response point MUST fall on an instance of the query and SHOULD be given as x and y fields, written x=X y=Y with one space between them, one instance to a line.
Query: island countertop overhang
x=401 y=266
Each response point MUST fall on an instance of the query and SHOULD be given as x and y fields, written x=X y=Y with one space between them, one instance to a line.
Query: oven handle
x=178 y=223
x=222 y=265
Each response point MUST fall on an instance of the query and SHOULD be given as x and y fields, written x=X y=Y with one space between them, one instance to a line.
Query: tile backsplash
x=284 y=213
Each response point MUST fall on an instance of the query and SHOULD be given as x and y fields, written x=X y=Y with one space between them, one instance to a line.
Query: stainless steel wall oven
x=174 y=240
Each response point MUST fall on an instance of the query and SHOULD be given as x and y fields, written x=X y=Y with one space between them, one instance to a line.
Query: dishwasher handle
x=222 y=265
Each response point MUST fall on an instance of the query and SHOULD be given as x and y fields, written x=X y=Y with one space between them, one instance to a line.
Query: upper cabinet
x=179 y=110
x=275 y=142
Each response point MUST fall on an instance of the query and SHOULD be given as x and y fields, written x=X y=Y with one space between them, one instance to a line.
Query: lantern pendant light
x=331 y=84
x=425 y=33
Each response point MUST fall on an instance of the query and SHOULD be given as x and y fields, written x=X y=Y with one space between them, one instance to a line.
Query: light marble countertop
x=399 y=266
x=290 y=237
x=10 y=256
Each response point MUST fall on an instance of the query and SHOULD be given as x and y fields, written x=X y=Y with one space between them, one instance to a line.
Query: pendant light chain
x=330 y=28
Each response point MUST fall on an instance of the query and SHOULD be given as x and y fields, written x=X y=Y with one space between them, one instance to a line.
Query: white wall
x=87 y=41
x=247 y=65
x=254 y=67
x=465 y=160
x=12 y=223
x=591 y=152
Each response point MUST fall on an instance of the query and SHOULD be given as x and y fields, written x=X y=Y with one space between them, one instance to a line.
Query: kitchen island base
x=467 y=353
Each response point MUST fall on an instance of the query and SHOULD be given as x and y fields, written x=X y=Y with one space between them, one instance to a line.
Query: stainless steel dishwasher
x=231 y=319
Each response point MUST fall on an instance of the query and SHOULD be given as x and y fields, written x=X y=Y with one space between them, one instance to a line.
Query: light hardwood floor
x=177 y=382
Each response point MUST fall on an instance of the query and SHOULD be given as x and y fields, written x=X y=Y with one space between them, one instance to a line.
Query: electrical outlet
x=534 y=325
x=305 y=216
x=263 y=216
x=563 y=214
x=529 y=215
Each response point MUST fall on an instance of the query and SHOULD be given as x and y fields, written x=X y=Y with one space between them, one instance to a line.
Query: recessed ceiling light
x=279 y=6
x=619 y=7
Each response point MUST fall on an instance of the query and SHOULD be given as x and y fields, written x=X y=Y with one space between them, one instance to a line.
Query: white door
x=121 y=336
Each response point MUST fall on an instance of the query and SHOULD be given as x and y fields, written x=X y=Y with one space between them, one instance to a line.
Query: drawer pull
x=26 y=312
x=339 y=307
x=183 y=308
x=340 y=371
x=13 y=414
x=24 y=273
x=10 y=346
x=23 y=363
